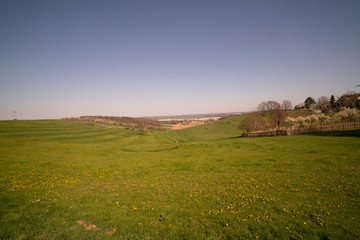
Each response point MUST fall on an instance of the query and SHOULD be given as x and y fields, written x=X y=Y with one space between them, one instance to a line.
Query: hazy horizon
x=153 y=58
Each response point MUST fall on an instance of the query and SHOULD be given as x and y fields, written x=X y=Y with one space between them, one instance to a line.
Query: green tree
x=309 y=102
x=142 y=129
x=332 y=102
x=298 y=107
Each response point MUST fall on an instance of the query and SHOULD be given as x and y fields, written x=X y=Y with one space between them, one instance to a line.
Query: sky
x=71 y=58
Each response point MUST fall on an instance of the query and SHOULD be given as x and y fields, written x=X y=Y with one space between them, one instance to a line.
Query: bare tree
x=322 y=103
x=268 y=106
x=278 y=116
x=261 y=107
x=275 y=114
x=287 y=105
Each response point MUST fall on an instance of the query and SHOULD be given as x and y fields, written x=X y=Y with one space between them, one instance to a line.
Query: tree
x=332 y=102
x=290 y=121
x=142 y=129
x=287 y=105
x=311 y=120
x=273 y=111
x=300 y=121
x=349 y=100
x=309 y=103
x=298 y=107
x=248 y=123
x=268 y=106
x=323 y=119
x=323 y=103
x=261 y=107
x=273 y=105
x=332 y=118
x=341 y=116
x=351 y=115
x=278 y=116
x=347 y=115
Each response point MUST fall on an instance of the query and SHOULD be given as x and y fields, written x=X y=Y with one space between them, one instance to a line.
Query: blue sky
x=140 y=58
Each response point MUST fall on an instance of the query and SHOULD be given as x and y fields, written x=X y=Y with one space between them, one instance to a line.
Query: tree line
x=310 y=113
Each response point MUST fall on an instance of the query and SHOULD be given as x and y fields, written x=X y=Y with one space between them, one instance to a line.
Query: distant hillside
x=122 y=121
x=194 y=116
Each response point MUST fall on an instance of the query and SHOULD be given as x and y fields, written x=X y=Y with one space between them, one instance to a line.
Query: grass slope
x=76 y=180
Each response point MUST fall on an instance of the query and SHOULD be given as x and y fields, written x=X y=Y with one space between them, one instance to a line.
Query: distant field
x=76 y=180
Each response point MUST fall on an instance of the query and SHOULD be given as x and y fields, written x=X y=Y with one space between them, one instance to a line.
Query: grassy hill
x=63 y=179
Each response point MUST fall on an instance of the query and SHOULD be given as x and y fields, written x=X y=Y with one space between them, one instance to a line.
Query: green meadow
x=62 y=179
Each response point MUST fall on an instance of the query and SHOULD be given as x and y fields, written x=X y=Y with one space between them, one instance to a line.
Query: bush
x=347 y=115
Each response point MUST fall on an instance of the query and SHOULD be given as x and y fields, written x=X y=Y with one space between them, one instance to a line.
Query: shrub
x=311 y=120
x=323 y=119
x=347 y=115
x=290 y=121
x=300 y=121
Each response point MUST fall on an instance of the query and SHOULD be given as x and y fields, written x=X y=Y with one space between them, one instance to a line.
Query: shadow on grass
x=338 y=133
x=334 y=133
x=234 y=137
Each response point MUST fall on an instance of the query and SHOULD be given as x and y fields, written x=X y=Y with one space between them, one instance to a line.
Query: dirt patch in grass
x=87 y=226
x=20 y=237
x=80 y=222
x=111 y=231
x=71 y=228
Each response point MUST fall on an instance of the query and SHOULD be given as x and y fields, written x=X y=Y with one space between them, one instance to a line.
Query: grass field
x=77 y=180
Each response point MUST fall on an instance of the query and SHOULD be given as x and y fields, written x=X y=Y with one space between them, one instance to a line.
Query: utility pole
x=14 y=115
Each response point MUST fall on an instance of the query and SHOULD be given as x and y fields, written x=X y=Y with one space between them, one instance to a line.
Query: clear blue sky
x=138 y=58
